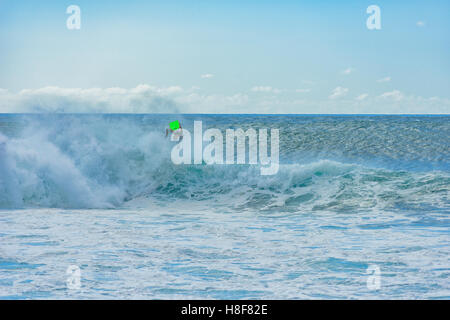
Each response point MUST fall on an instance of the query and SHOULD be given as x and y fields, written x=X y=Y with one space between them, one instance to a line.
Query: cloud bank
x=142 y=99
x=175 y=99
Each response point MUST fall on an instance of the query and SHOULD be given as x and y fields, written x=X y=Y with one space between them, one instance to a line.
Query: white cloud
x=348 y=71
x=420 y=23
x=213 y=103
x=141 y=99
x=394 y=95
x=362 y=96
x=338 y=92
x=265 y=89
x=207 y=76
x=386 y=79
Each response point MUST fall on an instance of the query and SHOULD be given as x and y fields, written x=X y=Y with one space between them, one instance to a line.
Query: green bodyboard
x=174 y=125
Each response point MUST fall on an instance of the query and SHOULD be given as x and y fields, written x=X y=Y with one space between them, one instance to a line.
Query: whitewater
x=101 y=192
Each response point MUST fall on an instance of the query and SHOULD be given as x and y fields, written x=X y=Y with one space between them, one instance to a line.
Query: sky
x=209 y=56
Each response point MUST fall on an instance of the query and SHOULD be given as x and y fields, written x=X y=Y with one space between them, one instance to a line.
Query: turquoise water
x=101 y=193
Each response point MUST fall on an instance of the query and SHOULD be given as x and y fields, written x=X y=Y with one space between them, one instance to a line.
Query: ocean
x=359 y=209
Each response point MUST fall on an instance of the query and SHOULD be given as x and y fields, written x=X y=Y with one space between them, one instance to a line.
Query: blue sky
x=239 y=56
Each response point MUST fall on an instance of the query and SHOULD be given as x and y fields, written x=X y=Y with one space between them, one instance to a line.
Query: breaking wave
x=107 y=162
